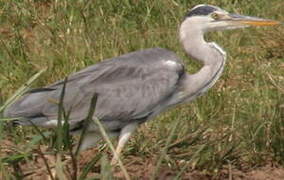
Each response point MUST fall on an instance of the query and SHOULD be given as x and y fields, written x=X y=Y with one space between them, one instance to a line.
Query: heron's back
x=129 y=87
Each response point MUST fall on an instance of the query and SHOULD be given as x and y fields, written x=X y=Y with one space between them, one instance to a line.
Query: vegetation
x=238 y=124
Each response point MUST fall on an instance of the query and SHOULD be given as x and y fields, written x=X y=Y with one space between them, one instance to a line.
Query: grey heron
x=137 y=86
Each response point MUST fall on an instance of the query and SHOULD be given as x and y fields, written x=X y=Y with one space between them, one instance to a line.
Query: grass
x=238 y=123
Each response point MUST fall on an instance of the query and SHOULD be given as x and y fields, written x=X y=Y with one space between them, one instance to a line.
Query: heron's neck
x=212 y=57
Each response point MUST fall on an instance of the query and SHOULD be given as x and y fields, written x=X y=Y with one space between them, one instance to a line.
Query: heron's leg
x=124 y=136
x=89 y=140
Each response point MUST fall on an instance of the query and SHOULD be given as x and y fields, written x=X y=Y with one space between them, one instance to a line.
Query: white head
x=206 y=18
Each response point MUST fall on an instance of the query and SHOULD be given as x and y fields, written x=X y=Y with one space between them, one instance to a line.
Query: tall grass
x=238 y=123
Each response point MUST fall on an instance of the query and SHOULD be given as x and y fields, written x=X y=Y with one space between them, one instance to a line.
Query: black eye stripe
x=201 y=11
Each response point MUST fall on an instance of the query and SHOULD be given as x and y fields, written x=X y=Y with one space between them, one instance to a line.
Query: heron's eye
x=215 y=16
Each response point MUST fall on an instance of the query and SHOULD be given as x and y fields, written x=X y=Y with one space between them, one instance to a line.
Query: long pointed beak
x=252 y=21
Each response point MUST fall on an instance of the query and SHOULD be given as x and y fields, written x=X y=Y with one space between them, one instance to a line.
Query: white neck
x=210 y=54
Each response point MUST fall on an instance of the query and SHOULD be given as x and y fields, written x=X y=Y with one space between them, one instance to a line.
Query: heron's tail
x=28 y=121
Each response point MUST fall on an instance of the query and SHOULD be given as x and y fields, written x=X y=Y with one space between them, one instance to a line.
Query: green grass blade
x=164 y=151
x=87 y=168
x=106 y=172
x=21 y=90
x=108 y=141
x=87 y=121
x=59 y=167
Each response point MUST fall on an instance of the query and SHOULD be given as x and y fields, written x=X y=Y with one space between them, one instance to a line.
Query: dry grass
x=235 y=130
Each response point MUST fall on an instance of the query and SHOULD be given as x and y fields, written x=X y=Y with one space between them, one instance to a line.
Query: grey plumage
x=135 y=87
x=127 y=90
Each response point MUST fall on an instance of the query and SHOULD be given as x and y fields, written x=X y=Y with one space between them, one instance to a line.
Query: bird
x=135 y=87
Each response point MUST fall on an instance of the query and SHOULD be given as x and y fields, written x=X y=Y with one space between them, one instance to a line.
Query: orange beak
x=252 y=21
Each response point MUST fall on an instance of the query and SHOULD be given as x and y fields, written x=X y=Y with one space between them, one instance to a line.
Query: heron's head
x=211 y=18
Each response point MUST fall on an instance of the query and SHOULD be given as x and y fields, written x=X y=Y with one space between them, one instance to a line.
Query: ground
x=137 y=167
x=235 y=131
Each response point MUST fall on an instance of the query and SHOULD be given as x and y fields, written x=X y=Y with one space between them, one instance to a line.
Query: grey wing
x=129 y=87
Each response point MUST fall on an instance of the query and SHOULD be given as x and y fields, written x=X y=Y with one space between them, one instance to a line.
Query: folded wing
x=129 y=87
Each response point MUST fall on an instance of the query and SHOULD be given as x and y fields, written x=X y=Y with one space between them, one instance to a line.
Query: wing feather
x=129 y=87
